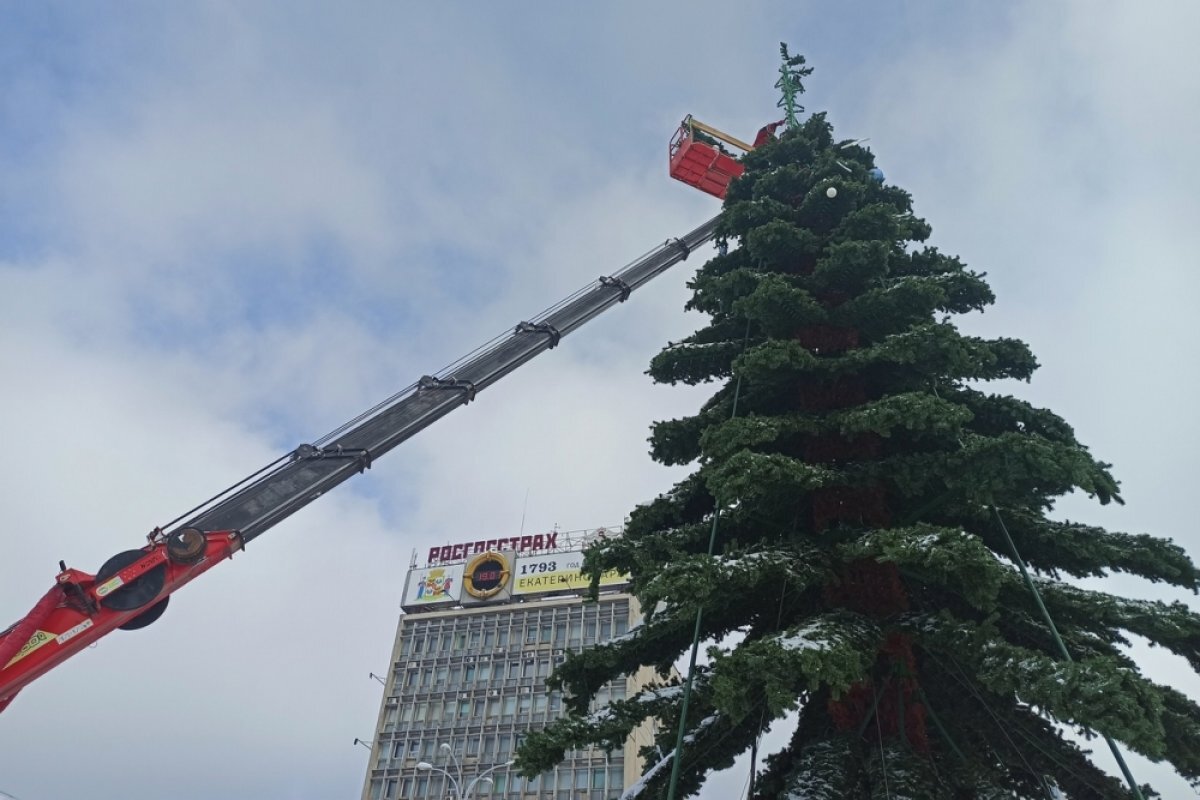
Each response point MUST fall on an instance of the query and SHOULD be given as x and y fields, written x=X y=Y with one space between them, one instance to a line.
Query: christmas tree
x=849 y=543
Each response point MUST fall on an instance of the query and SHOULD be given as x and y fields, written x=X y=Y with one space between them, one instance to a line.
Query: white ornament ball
x=831 y=191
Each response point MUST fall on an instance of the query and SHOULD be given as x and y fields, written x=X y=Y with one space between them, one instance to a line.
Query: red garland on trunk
x=889 y=704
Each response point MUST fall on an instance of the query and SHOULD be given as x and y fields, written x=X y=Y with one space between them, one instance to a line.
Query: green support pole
x=1062 y=648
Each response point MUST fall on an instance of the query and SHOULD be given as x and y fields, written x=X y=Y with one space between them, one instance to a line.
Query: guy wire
x=712 y=543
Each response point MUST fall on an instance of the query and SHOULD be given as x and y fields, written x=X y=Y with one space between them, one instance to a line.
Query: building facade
x=479 y=636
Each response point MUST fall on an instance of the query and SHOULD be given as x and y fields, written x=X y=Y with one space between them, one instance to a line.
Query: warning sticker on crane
x=71 y=633
x=38 y=639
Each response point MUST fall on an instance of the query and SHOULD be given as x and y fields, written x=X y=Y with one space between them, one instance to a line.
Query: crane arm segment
x=314 y=469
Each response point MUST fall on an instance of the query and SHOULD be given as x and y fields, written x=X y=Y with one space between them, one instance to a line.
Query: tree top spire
x=790 y=73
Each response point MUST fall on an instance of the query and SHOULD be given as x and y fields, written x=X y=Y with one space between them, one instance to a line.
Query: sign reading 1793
x=539 y=574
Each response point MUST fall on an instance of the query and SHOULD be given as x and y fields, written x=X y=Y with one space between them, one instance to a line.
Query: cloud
x=227 y=230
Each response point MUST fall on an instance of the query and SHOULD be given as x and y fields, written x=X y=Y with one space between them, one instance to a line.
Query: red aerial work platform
x=701 y=164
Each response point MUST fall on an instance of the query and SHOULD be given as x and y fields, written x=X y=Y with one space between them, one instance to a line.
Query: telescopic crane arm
x=132 y=588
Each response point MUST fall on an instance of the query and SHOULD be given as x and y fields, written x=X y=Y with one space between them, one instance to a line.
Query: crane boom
x=132 y=588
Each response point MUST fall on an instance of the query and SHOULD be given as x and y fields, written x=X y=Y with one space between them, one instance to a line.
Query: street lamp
x=461 y=793
x=364 y=743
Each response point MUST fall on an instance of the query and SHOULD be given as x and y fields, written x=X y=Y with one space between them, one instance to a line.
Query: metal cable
x=712 y=542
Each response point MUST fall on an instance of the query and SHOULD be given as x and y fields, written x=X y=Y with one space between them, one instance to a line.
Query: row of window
x=452 y=676
x=597 y=782
x=523 y=630
x=486 y=748
x=535 y=707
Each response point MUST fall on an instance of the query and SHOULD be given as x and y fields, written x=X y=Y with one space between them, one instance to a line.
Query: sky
x=226 y=228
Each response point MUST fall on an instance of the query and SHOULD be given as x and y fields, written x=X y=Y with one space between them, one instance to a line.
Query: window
x=419 y=644
x=503 y=638
x=531 y=635
x=543 y=667
x=539 y=706
x=581 y=779
x=489 y=638
x=477 y=711
x=410 y=679
x=407 y=714
x=474 y=641
x=473 y=746
x=390 y=791
x=545 y=637
x=525 y=705
x=427 y=676
x=485 y=672
x=589 y=632
x=622 y=626
x=493 y=708
x=615 y=777
x=406 y=788
x=598 y=778
x=442 y=674
x=510 y=705
x=419 y=715
x=514 y=669
x=605 y=630
x=504 y=751
x=376 y=789
x=422 y=786
x=460 y=640
x=560 y=633
x=529 y=668
x=468 y=673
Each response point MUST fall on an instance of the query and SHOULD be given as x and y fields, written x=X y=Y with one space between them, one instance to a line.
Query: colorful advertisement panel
x=433 y=586
x=558 y=573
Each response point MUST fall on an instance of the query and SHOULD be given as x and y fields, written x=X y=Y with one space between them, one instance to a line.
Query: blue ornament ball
x=876 y=174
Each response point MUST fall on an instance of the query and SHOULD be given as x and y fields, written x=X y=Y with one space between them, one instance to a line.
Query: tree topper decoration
x=790 y=72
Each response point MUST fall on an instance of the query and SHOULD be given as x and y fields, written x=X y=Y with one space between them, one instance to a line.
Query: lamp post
x=461 y=792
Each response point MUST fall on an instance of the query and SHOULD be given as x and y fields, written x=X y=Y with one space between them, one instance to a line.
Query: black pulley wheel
x=139 y=592
x=146 y=617
x=186 y=545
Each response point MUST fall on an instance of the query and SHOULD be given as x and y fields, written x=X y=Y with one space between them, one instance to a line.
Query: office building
x=484 y=624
